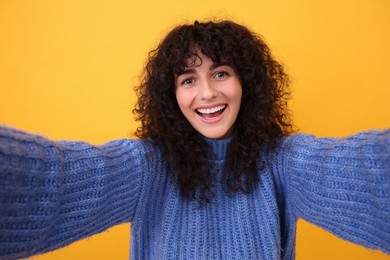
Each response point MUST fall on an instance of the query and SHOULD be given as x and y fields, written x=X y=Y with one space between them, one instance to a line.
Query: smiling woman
x=209 y=96
x=217 y=173
x=204 y=66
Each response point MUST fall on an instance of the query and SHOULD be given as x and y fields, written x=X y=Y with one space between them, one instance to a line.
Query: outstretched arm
x=54 y=193
x=343 y=185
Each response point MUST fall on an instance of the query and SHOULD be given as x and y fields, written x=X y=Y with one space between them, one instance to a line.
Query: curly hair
x=262 y=119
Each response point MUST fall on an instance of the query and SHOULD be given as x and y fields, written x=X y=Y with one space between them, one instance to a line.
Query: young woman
x=216 y=174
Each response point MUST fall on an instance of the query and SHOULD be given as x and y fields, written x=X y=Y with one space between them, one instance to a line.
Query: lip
x=211 y=106
x=212 y=120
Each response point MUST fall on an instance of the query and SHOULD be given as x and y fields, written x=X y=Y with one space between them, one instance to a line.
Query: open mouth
x=211 y=112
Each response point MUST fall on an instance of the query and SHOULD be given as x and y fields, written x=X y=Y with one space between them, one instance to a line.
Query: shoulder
x=138 y=148
x=302 y=141
x=305 y=148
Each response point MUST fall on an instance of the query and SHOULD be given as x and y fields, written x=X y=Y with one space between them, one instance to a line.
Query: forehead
x=194 y=61
x=202 y=62
x=198 y=59
x=195 y=58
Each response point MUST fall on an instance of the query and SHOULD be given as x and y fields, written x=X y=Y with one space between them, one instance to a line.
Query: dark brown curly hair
x=262 y=119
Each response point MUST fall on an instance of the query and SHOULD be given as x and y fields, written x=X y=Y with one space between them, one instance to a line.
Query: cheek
x=178 y=98
x=182 y=100
x=236 y=95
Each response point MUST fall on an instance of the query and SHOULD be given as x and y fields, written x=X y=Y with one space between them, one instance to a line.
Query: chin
x=216 y=135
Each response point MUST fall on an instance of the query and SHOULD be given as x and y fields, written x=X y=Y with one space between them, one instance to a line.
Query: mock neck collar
x=219 y=147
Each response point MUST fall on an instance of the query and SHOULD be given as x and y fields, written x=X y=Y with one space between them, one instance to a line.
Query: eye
x=187 y=81
x=221 y=74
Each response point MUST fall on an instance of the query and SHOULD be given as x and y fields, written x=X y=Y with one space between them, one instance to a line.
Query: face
x=209 y=96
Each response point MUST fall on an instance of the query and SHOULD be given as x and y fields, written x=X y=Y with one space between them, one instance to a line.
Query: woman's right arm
x=54 y=193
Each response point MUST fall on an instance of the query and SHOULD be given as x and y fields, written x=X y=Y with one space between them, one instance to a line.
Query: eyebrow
x=191 y=70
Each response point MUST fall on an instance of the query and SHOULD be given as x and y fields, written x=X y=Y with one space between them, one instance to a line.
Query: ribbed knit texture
x=54 y=193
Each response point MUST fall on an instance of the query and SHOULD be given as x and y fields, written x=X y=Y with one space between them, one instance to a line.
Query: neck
x=219 y=147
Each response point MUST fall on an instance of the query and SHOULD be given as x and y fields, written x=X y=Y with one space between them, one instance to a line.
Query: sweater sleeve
x=343 y=185
x=54 y=193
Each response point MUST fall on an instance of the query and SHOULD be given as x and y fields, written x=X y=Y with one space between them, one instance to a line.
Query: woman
x=217 y=173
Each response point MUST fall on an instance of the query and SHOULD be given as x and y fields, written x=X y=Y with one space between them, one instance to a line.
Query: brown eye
x=187 y=81
x=221 y=74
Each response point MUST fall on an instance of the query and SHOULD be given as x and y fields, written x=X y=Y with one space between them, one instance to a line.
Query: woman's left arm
x=342 y=185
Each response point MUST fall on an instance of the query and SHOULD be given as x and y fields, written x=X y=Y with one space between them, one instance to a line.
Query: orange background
x=67 y=69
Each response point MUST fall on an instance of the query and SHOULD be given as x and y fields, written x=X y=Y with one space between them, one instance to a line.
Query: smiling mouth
x=211 y=112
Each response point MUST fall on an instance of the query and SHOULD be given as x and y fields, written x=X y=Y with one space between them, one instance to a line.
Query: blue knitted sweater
x=54 y=193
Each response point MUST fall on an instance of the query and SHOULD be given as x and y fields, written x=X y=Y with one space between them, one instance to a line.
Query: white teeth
x=210 y=110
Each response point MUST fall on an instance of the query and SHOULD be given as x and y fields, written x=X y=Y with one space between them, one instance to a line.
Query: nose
x=207 y=90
